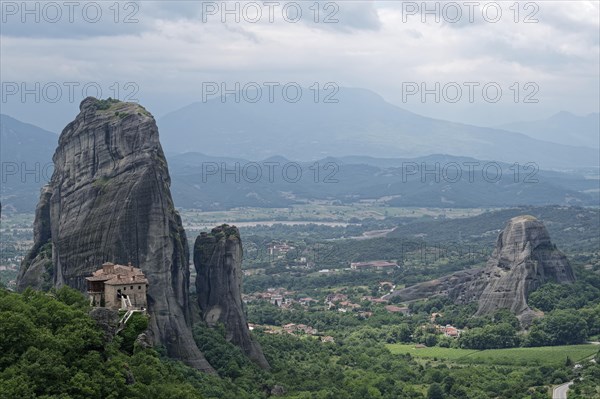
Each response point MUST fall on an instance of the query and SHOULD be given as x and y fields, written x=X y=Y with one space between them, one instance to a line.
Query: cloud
x=171 y=51
x=43 y=19
x=50 y=19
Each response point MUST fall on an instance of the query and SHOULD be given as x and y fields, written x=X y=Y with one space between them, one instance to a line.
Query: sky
x=534 y=59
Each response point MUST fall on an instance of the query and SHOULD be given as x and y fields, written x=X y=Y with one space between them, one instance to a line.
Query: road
x=560 y=392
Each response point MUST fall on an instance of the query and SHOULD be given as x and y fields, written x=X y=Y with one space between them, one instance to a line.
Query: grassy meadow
x=547 y=355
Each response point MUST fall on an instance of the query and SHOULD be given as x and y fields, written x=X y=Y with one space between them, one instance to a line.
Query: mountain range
x=360 y=123
x=562 y=128
x=210 y=183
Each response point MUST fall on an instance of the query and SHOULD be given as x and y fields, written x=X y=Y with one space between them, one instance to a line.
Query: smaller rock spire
x=218 y=262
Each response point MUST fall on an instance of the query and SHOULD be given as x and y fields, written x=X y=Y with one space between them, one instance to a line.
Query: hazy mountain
x=562 y=128
x=26 y=158
x=214 y=182
x=21 y=141
x=361 y=123
x=433 y=181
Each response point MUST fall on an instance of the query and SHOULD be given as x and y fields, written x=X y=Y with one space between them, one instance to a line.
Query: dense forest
x=52 y=348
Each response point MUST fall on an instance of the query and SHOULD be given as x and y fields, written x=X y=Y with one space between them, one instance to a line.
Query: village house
x=307 y=329
x=278 y=250
x=289 y=328
x=279 y=247
x=277 y=300
x=374 y=300
x=347 y=306
x=333 y=298
x=118 y=287
x=397 y=309
x=307 y=301
x=448 y=330
x=451 y=331
x=292 y=328
x=279 y=297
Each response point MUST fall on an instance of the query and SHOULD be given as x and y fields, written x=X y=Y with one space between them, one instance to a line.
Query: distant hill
x=575 y=228
x=361 y=123
x=24 y=142
x=201 y=181
x=26 y=156
x=562 y=128
x=204 y=182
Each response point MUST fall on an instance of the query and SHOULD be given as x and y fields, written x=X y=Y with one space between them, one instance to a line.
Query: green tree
x=559 y=327
x=491 y=336
x=435 y=391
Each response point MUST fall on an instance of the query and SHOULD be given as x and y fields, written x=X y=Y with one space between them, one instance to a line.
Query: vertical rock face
x=36 y=269
x=218 y=262
x=109 y=200
x=523 y=260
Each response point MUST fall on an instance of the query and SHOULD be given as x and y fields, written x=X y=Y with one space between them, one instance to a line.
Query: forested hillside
x=51 y=348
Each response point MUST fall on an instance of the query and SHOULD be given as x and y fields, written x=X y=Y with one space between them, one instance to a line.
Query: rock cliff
x=37 y=269
x=524 y=258
x=463 y=287
x=218 y=262
x=109 y=200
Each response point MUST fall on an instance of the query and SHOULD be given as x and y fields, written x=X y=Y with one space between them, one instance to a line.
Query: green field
x=547 y=355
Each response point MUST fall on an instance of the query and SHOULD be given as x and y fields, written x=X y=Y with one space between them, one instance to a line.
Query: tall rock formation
x=218 y=262
x=37 y=270
x=109 y=200
x=524 y=258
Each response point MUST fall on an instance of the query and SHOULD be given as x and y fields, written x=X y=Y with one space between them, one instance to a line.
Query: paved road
x=560 y=392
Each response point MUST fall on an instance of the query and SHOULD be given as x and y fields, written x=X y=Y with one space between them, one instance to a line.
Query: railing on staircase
x=126 y=304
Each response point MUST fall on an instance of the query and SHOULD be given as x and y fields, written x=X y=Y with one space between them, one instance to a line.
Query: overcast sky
x=168 y=49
